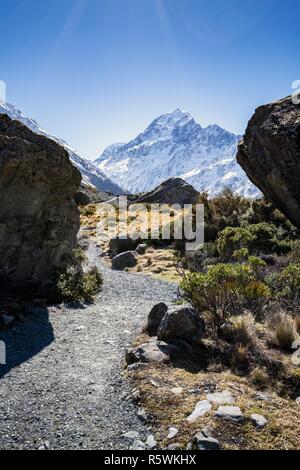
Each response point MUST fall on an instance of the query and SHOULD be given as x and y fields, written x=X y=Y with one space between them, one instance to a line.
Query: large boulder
x=39 y=218
x=172 y=191
x=121 y=245
x=124 y=260
x=181 y=323
x=155 y=317
x=270 y=155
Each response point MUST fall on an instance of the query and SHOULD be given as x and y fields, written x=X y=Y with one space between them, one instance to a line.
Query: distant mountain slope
x=91 y=174
x=175 y=145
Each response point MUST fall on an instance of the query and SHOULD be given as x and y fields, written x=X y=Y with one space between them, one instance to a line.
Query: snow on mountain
x=91 y=174
x=175 y=145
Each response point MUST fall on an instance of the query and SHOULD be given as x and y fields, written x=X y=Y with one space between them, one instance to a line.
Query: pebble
x=138 y=445
x=142 y=415
x=131 y=435
x=151 y=442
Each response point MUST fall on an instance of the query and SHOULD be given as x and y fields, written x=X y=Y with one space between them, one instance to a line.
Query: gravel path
x=62 y=387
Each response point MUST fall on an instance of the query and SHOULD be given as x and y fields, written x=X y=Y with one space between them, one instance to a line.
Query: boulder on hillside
x=124 y=260
x=172 y=191
x=270 y=155
x=152 y=351
x=39 y=218
x=181 y=323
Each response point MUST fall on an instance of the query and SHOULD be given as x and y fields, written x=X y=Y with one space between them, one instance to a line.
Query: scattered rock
x=230 y=413
x=141 y=249
x=220 y=398
x=132 y=435
x=262 y=396
x=124 y=260
x=203 y=442
x=270 y=153
x=297 y=400
x=151 y=442
x=142 y=415
x=174 y=447
x=259 y=420
x=202 y=407
x=177 y=391
x=152 y=351
x=181 y=322
x=155 y=317
x=172 y=433
x=138 y=445
x=137 y=367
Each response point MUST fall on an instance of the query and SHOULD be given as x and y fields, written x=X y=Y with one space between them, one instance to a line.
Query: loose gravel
x=62 y=387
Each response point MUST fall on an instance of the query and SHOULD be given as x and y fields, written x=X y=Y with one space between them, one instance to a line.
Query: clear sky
x=96 y=72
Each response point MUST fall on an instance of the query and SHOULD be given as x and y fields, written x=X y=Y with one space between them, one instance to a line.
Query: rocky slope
x=92 y=176
x=174 y=145
x=39 y=219
x=172 y=191
x=270 y=155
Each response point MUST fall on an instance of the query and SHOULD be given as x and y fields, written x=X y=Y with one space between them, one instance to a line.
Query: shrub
x=75 y=285
x=288 y=284
x=218 y=292
x=232 y=239
x=260 y=377
x=282 y=331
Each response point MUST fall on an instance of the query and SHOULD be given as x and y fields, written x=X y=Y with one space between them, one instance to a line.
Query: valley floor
x=62 y=387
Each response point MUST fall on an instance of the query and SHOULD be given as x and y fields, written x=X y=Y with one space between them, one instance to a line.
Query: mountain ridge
x=175 y=145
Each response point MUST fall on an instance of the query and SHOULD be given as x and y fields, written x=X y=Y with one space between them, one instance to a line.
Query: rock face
x=39 y=219
x=270 y=155
x=172 y=191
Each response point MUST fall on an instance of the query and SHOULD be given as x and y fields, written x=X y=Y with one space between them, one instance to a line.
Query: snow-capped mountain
x=91 y=174
x=175 y=145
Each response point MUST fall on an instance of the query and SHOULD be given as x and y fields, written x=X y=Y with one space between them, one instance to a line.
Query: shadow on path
x=27 y=339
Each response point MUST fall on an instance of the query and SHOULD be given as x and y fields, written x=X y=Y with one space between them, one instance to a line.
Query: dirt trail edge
x=62 y=387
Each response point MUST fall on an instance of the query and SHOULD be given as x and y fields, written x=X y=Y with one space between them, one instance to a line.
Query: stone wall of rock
x=39 y=218
x=270 y=155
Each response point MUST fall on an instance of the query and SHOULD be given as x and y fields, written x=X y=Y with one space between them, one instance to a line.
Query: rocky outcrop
x=270 y=155
x=39 y=219
x=172 y=191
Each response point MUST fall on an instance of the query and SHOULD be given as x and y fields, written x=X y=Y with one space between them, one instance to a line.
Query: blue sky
x=96 y=72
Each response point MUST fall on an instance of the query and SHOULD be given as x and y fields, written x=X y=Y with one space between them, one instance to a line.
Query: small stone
x=151 y=442
x=258 y=420
x=132 y=435
x=221 y=398
x=138 y=445
x=142 y=415
x=174 y=447
x=206 y=443
x=141 y=249
x=80 y=328
x=189 y=446
x=262 y=396
x=172 y=433
x=177 y=390
x=202 y=407
x=207 y=431
x=297 y=400
x=230 y=413
x=137 y=367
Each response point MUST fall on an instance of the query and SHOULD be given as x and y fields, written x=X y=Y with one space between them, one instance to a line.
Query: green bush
x=288 y=284
x=75 y=285
x=223 y=291
x=233 y=239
